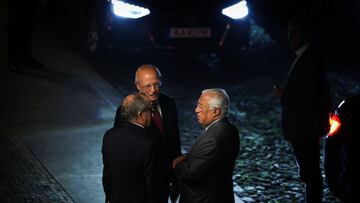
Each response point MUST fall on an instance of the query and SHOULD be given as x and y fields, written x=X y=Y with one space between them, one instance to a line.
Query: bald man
x=133 y=160
x=164 y=122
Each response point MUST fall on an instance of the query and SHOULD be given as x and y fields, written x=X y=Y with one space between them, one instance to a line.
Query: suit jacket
x=171 y=136
x=207 y=174
x=133 y=166
x=305 y=100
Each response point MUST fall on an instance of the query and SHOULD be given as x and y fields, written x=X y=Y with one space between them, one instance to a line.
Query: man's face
x=147 y=118
x=204 y=113
x=149 y=84
x=296 y=36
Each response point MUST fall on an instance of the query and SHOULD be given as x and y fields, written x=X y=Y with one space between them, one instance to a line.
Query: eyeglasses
x=200 y=106
x=154 y=85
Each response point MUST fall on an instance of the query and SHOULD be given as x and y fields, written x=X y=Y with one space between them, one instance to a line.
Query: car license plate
x=186 y=32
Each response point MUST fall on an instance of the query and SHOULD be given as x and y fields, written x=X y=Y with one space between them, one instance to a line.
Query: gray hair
x=220 y=100
x=132 y=105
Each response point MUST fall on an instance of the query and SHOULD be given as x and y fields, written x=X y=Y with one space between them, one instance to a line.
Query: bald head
x=145 y=71
x=148 y=81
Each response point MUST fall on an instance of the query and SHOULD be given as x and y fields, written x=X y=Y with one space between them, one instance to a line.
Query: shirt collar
x=212 y=123
x=302 y=49
x=138 y=125
x=157 y=105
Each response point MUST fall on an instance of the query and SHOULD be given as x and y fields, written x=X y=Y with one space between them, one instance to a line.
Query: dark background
x=265 y=169
x=337 y=22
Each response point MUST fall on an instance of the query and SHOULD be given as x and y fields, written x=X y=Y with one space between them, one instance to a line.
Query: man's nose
x=196 y=109
x=152 y=88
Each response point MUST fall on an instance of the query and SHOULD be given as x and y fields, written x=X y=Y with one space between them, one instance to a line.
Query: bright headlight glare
x=127 y=10
x=236 y=11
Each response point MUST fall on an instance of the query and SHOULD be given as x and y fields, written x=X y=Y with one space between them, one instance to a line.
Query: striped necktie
x=157 y=119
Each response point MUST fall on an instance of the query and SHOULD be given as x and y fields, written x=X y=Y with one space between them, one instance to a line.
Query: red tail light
x=335 y=124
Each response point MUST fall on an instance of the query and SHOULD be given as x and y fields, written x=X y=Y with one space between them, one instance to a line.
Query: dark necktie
x=157 y=119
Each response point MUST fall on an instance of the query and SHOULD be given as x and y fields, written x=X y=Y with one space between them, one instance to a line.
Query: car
x=339 y=149
x=202 y=26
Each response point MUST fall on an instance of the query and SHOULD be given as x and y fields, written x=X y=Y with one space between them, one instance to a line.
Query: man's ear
x=217 y=111
x=140 y=116
x=137 y=86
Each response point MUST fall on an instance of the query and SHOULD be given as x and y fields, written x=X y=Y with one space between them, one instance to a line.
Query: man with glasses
x=132 y=171
x=164 y=122
x=206 y=172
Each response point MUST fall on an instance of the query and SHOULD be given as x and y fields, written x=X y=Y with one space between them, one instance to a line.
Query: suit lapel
x=164 y=114
x=208 y=132
x=298 y=61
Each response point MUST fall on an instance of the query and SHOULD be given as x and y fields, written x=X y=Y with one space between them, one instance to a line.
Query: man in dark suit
x=305 y=106
x=133 y=161
x=164 y=122
x=206 y=172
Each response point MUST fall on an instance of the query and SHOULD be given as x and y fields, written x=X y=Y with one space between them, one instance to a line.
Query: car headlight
x=236 y=11
x=335 y=123
x=126 y=10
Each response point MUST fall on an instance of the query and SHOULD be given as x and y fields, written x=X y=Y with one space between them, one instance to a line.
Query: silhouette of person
x=133 y=161
x=305 y=105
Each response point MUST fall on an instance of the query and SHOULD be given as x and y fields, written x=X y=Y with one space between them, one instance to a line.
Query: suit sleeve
x=154 y=169
x=175 y=149
x=106 y=173
x=309 y=90
x=117 y=119
x=200 y=162
x=172 y=123
x=177 y=135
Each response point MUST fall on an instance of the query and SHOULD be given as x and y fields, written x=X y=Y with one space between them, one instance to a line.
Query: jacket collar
x=213 y=123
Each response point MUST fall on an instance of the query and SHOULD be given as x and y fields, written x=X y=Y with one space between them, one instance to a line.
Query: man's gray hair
x=220 y=100
x=130 y=108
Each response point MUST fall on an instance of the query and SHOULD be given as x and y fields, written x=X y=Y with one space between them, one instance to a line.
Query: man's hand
x=178 y=160
x=174 y=191
x=278 y=91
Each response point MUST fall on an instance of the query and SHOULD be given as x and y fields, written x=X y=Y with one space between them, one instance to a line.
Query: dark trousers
x=307 y=153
